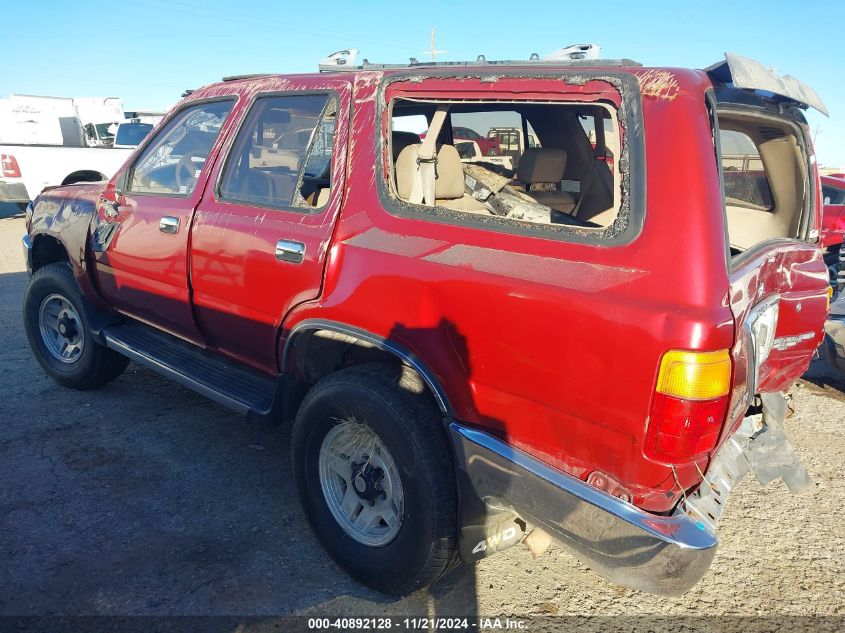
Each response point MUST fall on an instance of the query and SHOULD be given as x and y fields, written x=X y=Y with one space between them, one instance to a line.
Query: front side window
x=282 y=155
x=171 y=164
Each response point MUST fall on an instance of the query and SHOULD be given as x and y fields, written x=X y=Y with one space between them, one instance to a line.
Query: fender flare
x=392 y=347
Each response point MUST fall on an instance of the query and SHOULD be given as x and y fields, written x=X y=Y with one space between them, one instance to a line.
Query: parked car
x=470 y=360
x=488 y=146
x=833 y=221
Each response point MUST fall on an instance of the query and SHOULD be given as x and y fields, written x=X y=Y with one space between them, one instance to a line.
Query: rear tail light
x=9 y=166
x=689 y=405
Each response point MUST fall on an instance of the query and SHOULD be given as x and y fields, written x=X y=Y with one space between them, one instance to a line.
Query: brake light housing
x=689 y=405
x=9 y=166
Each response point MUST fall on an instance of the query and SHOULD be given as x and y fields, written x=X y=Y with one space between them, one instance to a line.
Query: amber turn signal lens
x=695 y=375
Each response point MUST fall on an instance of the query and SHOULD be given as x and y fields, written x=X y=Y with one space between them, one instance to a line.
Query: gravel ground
x=146 y=499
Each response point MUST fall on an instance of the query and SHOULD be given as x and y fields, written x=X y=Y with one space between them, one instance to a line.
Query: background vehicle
x=471 y=359
x=47 y=141
x=489 y=146
x=833 y=221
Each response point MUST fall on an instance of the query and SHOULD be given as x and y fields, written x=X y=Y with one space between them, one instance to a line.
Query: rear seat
x=545 y=166
x=449 y=184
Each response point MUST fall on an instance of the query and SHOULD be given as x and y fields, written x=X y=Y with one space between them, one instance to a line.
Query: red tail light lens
x=689 y=405
x=9 y=166
x=681 y=430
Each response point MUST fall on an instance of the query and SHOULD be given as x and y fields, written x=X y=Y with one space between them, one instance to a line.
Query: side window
x=172 y=163
x=832 y=195
x=553 y=175
x=282 y=155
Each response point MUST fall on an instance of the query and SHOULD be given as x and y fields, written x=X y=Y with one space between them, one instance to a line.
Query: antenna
x=433 y=51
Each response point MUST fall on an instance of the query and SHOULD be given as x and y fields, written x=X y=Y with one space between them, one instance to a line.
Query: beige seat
x=545 y=166
x=401 y=140
x=448 y=185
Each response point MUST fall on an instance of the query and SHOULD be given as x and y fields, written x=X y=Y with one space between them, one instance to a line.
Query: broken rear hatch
x=778 y=279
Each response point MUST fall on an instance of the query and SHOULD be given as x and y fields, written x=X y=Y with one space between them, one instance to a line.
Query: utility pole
x=433 y=50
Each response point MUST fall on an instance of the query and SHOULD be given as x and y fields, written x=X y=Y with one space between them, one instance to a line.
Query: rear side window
x=746 y=182
x=171 y=164
x=281 y=157
x=524 y=164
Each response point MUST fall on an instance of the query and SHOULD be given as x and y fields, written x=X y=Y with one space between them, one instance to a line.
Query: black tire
x=96 y=365
x=394 y=403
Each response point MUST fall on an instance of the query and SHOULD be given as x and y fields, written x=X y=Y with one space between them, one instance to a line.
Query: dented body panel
x=547 y=340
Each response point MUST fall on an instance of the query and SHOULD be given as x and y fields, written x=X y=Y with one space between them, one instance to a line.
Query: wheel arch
x=47 y=249
x=336 y=341
x=84 y=175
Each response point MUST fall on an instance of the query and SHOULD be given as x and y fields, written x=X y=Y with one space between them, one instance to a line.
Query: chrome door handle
x=168 y=224
x=290 y=251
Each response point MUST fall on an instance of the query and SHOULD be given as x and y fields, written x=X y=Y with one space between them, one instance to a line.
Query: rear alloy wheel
x=375 y=477
x=361 y=484
x=59 y=333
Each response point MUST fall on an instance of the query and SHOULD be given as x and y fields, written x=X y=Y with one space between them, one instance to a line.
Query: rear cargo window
x=766 y=178
x=746 y=183
x=530 y=163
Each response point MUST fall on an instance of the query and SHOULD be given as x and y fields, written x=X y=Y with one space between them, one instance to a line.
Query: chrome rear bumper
x=630 y=547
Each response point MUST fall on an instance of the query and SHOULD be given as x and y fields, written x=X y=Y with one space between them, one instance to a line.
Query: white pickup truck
x=26 y=169
x=44 y=142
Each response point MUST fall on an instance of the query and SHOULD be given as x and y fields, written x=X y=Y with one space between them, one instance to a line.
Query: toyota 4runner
x=473 y=354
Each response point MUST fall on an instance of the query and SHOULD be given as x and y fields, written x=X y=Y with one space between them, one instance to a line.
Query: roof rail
x=494 y=63
x=577 y=55
x=248 y=76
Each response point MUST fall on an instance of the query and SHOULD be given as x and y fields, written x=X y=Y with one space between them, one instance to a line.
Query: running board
x=225 y=381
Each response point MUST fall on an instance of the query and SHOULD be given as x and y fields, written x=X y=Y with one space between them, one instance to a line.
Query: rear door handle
x=290 y=251
x=168 y=224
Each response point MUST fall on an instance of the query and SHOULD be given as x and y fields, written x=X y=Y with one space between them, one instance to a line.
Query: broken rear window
x=534 y=163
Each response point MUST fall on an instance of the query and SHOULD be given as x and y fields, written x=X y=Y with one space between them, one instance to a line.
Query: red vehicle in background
x=833 y=215
x=488 y=146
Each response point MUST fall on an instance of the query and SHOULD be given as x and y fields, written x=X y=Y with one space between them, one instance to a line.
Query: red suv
x=473 y=356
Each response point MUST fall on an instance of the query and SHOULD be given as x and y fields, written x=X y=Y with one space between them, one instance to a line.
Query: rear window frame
x=630 y=220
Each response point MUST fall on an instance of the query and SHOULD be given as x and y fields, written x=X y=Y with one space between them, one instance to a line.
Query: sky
x=149 y=51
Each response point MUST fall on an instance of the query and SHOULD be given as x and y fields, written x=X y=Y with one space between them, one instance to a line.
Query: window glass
x=832 y=195
x=172 y=163
x=552 y=175
x=132 y=133
x=746 y=183
x=282 y=155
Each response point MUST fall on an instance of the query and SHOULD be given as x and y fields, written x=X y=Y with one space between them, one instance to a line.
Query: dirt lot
x=144 y=498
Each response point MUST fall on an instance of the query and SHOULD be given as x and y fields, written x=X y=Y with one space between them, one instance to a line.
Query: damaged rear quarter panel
x=551 y=342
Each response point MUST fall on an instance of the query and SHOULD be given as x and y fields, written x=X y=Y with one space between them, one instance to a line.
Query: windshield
x=103 y=131
x=132 y=133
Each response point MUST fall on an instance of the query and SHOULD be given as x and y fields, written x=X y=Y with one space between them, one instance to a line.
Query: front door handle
x=290 y=251
x=168 y=224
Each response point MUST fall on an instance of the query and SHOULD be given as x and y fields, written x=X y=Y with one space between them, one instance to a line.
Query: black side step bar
x=227 y=382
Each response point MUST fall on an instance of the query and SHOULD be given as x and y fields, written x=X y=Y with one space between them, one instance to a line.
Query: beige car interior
x=566 y=155
x=784 y=172
x=448 y=185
